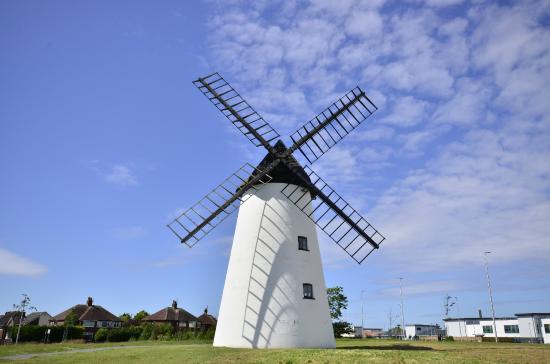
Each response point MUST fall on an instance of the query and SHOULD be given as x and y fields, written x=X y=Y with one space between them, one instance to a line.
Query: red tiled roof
x=85 y=312
x=170 y=314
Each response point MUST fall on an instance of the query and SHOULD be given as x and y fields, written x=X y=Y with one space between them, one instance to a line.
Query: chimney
x=90 y=301
x=206 y=310
x=479 y=313
x=174 y=304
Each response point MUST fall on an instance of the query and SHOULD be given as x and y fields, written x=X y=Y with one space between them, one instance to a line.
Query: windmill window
x=308 y=291
x=302 y=243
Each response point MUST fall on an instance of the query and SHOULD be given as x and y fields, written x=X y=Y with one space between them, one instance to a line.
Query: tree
x=337 y=302
x=342 y=327
x=25 y=304
x=141 y=315
x=71 y=319
x=126 y=319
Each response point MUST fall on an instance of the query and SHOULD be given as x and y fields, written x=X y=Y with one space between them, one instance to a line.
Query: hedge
x=38 y=333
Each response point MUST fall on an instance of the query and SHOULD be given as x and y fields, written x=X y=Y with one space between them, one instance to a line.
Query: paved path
x=72 y=351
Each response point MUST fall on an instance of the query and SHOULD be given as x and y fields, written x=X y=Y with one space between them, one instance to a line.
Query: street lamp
x=362 y=316
x=490 y=294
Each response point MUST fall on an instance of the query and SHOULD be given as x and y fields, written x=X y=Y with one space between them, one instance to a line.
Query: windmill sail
x=217 y=205
x=332 y=214
x=237 y=110
x=322 y=132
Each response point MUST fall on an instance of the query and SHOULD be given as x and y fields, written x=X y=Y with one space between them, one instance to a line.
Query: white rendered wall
x=262 y=304
x=545 y=335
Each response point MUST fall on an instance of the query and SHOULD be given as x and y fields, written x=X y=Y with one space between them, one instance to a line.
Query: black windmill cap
x=281 y=173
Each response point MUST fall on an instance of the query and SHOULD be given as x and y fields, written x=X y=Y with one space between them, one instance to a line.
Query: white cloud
x=480 y=194
x=407 y=111
x=121 y=175
x=364 y=23
x=467 y=131
x=13 y=264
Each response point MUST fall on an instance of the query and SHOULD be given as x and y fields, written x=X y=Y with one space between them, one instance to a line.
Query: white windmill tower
x=275 y=294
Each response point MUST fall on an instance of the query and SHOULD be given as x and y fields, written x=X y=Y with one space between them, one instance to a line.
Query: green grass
x=348 y=351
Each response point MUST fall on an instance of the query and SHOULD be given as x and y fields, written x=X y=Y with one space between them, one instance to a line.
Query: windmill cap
x=281 y=173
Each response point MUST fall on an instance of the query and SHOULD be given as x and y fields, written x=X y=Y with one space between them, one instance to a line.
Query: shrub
x=209 y=334
x=101 y=335
x=162 y=330
x=124 y=334
x=449 y=338
x=146 y=331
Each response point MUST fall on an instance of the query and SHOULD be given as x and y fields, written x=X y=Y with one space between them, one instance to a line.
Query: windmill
x=274 y=294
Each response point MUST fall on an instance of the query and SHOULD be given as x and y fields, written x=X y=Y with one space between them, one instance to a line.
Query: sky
x=104 y=139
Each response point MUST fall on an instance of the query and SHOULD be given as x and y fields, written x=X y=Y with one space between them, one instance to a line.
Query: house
x=7 y=321
x=37 y=318
x=206 y=321
x=177 y=317
x=413 y=331
x=91 y=317
x=524 y=327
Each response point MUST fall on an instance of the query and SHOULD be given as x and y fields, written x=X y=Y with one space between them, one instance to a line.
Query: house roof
x=423 y=325
x=478 y=318
x=529 y=314
x=34 y=316
x=87 y=312
x=207 y=319
x=5 y=319
x=171 y=314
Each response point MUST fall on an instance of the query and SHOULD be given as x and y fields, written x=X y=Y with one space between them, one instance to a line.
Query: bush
x=101 y=335
x=449 y=338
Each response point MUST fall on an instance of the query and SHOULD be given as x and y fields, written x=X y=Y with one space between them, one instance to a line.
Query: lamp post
x=490 y=294
x=362 y=315
x=402 y=314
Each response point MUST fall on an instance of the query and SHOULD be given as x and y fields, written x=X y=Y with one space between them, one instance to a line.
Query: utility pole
x=460 y=319
x=402 y=314
x=490 y=294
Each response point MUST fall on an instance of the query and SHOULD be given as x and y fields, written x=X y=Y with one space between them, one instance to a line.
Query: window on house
x=308 y=291
x=302 y=243
x=547 y=328
x=511 y=329
x=487 y=329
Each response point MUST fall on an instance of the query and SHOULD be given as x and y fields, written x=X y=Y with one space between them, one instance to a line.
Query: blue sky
x=103 y=139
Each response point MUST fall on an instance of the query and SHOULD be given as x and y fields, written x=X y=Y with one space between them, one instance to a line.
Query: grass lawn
x=348 y=351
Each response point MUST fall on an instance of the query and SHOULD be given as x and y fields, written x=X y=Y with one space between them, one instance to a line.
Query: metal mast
x=490 y=294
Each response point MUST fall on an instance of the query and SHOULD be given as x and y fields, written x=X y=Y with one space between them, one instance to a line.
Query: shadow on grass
x=390 y=347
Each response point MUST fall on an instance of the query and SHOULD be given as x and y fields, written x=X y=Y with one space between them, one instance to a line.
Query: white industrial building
x=417 y=330
x=525 y=327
